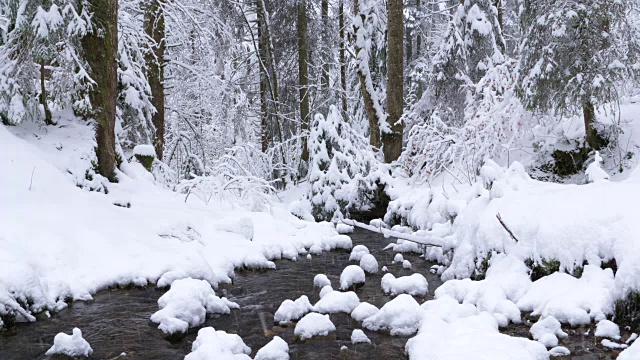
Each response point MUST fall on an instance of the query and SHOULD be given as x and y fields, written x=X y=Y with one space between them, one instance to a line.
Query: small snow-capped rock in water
x=369 y=263
x=73 y=345
x=351 y=275
x=398 y=258
x=406 y=264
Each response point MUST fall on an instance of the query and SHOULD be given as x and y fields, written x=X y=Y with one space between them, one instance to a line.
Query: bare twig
x=506 y=228
x=31 y=182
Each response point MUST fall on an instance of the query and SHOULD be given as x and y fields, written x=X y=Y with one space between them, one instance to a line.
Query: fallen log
x=422 y=240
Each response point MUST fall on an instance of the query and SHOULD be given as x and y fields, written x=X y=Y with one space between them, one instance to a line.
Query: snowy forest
x=319 y=179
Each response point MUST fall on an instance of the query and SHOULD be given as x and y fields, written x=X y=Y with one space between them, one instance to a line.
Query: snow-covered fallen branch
x=422 y=240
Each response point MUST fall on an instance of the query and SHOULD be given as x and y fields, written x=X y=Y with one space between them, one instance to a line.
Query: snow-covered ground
x=60 y=242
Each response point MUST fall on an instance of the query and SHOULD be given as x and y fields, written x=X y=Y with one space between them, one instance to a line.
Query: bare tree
x=392 y=139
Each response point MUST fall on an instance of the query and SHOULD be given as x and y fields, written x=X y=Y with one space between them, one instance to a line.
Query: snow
x=415 y=284
x=559 y=351
x=385 y=269
x=74 y=253
x=369 y=264
x=631 y=353
x=358 y=336
x=276 y=349
x=242 y=226
x=406 y=264
x=594 y=171
x=363 y=311
x=321 y=280
x=213 y=345
x=337 y=301
x=608 y=329
x=398 y=258
x=325 y=290
x=358 y=252
x=144 y=150
x=313 y=324
x=344 y=229
x=400 y=316
x=73 y=345
x=350 y=276
x=187 y=304
x=292 y=310
x=613 y=345
x=547 y=331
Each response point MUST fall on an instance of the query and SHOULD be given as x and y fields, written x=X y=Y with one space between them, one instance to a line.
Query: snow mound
x=358 y=336
x=559 y=351
x=415 y=285
x=321 y=280
x=547 y=331
x=400 y=316
x=187 y=304
x=352 y=275
x=276 y=349
x=325 y=290
x=369 y=263
x=363 y=311
x=73 y=345
x=613 y=345
x=292 y=310
x=313 y=324
x=242 y=227
x=336 y=301
x=631 y=353
x=571 y=300
x=358 y=252
x=344 y=229
x=608 y=329
x=379 y=223
x=594 y=171
x=298 y=209
x=398 y=258
x=213 y=345
x=406 y=264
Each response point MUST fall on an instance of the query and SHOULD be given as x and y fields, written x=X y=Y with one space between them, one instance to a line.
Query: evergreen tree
x=573 y=54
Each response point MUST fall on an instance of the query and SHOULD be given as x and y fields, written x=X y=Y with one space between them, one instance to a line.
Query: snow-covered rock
x=363 y=311
x=358 y=252
x=378 y=223
x=398 y=258
x=337 y=301
x=276 y=349
x=415 y=284
x=631 y=353
x=613 y=345
x=547 y=331
x=292 y=310
x=313 y=324
x=325 y=290
x=406 y=264
x=608 y=329
x=352 y=275
x=321 y=280
x=594 y=171
x=358 y=336
x=344 y=229
x=559 y=351
x=214 y=345
x=187 y=304
x=369 y=264
x=400 y=316
x=73 y=345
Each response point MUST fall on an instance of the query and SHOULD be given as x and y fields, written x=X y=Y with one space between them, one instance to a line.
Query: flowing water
x=117 y=320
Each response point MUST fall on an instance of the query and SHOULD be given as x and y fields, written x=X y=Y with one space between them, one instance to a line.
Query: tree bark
x=101 y=51
x=262 y=59
x=43 y=96
x=303 y=74
x=343 y=64
x=369 y=107
x=498 y=5
x=325 y=44
x=419 y=48
x=589 y=114
x=392 y=141
x=154 y=28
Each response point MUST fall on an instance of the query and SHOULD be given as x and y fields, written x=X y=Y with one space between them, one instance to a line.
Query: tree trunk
x=43 y=97
x=589 y=114
x=366 y=84
x=303 y=74
x=262 y=55
x=343 y=64
x=498 y=5
x=101 y=51
x=419 y=49
x=325 y=44
x=154 y=28
x=392 y=141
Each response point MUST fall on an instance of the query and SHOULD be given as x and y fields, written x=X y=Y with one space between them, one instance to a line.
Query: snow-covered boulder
x=369 y=263
x=321 y=280
x=187 y=304
x=276 y=349
x=73 y=345
x=398 y=258
x=313 y=324
x=213 y=345
x=358 y=252
x=292 y=310
x=414 y=284
x=325 y=290
x=358 y=336
x=406 y=264
x=337 y=301
x=547 y=331
x=608 y=329
x=352 y=276
x=400 y=316
x=363 y=311
x=344 y=229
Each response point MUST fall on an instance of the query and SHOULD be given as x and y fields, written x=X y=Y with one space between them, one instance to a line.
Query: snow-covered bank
x=59 y=242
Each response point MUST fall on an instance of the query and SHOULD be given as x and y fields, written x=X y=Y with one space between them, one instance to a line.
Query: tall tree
x=155 y=30
x=392 y=137
x=343 y=64
x=573 y=54
x=101 y=51
x=325 y=43
x=303 y=74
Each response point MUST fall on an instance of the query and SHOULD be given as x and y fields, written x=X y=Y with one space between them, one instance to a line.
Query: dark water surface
x=117 y=320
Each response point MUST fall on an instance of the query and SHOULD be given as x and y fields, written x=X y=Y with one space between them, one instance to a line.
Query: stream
x=117 y=320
